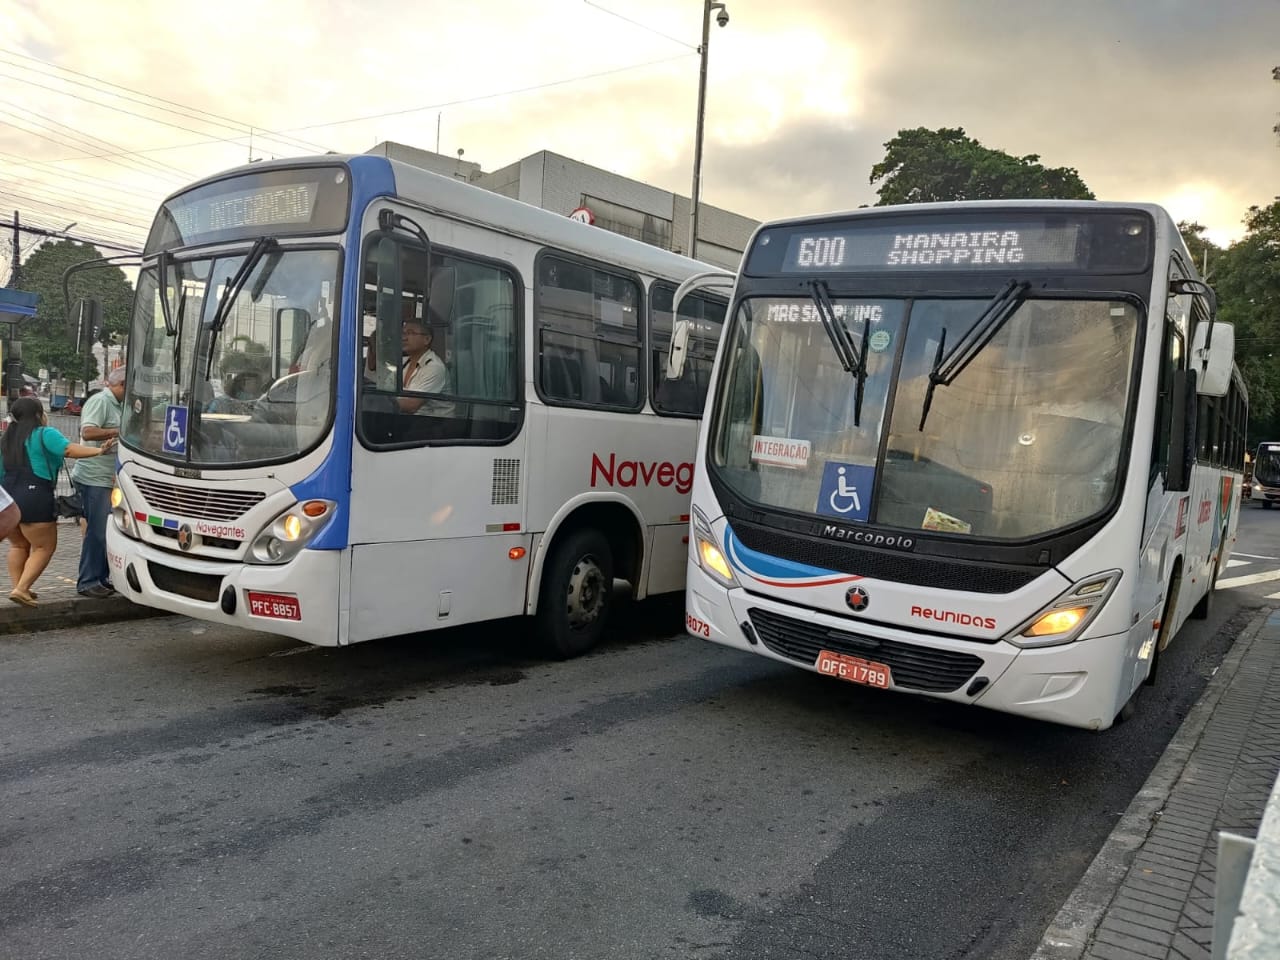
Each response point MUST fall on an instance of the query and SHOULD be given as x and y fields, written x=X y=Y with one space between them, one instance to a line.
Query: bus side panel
x=411 y=586
x=642 y=458
x=668 y=557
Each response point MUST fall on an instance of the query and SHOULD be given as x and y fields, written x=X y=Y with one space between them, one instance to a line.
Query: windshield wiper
x=162 y=267
x=949 y=364
x=852 y=357
x=177 y=333
x=232 y=290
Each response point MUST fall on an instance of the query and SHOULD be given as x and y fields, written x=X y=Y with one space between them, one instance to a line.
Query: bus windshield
x=249 y=366
x=1025 y=439
x=1266 y=468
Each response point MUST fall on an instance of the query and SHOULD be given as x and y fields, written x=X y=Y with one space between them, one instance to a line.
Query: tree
x=1247 y=282
x=922 y=166
x=47 y=339
x=1199 y=245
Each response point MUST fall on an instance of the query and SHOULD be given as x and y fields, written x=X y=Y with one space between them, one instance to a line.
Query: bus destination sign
x=1070 y=242
x=274 y=202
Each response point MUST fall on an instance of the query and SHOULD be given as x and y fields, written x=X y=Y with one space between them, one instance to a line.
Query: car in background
x=76 y=404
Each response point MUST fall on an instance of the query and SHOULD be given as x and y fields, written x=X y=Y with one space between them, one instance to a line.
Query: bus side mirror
x=679 y=349
x=1212 y=358
x=1182 y=439
x=86 y=324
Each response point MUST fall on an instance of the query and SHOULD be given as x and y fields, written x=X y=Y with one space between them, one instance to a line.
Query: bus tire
x=1266 y=504
x=576 y=593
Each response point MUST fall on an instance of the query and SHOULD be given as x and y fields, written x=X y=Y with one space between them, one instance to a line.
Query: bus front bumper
x=1075 y=684
x=298 y=599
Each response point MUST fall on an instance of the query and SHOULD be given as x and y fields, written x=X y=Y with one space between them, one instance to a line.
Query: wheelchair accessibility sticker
x=175 y=430
x=846 y=490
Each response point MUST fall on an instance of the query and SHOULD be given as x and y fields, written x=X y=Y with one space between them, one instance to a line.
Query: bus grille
x=506 y=482
x=196 y=502
x=913 y=667
x=933 y=571
x=193 y=586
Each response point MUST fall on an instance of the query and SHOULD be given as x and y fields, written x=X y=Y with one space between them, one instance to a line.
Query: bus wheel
x=1266 y=504
x=577 y=587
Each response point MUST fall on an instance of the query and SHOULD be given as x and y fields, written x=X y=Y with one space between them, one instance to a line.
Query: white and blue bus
x=987 y=452
x=285 y=466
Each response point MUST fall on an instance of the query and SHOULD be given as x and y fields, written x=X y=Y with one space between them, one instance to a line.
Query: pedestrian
x=31 y=453
x=94 y=478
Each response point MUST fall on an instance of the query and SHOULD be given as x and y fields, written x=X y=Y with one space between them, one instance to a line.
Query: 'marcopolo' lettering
x=870 y=538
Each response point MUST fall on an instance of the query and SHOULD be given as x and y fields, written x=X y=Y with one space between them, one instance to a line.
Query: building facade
x=610 y=201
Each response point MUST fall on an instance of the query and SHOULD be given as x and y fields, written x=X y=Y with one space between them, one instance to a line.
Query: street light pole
x=722 y=19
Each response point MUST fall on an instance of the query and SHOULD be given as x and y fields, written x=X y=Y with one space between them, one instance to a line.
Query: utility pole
x=17 y=262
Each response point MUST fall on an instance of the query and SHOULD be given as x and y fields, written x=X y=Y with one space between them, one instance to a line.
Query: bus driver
x=421 y=367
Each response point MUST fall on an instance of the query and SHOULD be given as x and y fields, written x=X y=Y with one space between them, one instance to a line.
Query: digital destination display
x=274 y=202
x=1106 y=242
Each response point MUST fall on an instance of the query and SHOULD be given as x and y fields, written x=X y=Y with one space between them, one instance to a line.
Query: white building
x=612 y=202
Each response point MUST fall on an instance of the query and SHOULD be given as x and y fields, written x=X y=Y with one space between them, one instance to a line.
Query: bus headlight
x=1066 y=618
x=288 y=533
x=122 y=514
x=710 y=557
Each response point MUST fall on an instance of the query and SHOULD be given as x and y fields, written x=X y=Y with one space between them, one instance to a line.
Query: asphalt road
x=174 y=789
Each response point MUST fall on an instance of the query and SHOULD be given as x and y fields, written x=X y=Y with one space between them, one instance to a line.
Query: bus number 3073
x=699 y=628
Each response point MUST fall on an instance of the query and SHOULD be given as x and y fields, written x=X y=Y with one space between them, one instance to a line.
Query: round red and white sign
x=583 y=215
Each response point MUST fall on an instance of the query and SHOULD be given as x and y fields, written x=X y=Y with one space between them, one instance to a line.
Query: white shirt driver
x=430 y=376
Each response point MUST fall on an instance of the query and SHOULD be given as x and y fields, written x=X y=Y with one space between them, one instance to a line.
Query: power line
x=82 y=141
x=490 y=96
x=150 y=197
x=217 y=119
x=67 y=236
x=64 y=143
x=58 y=208
x=70 y=195
x=108 y=106
x=642 y=26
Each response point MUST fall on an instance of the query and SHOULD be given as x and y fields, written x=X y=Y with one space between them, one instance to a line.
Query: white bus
x=1266 y=475
x=953 y=449
x=364 y=400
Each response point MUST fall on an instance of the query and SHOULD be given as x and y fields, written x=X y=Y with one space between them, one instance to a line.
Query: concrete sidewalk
x=1150 y=891
x=58 y=604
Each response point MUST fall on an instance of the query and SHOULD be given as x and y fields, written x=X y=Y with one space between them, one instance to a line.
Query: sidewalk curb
x=79 y=612
x=1069 y=933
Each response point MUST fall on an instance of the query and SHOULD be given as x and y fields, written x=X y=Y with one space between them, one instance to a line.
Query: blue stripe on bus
x=371 y=178
x=758 y=564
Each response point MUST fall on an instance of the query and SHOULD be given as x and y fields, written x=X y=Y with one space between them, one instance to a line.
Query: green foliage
x=923 y=166
x=46 y=339
x=1198 y=244
x=1247 y=281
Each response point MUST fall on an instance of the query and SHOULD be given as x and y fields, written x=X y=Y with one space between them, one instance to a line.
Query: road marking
x=1253 y=556
x=1237 y=563
x=1251 y=579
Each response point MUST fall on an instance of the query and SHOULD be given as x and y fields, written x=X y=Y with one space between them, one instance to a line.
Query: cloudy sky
x=107 y=107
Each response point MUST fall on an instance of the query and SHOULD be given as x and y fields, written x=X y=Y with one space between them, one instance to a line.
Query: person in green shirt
x=94 y=478
x=31 y=453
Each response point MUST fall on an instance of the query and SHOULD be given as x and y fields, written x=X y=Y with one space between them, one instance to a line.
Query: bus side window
x=456 y=377
x=1170 y=362
x=589 y=335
